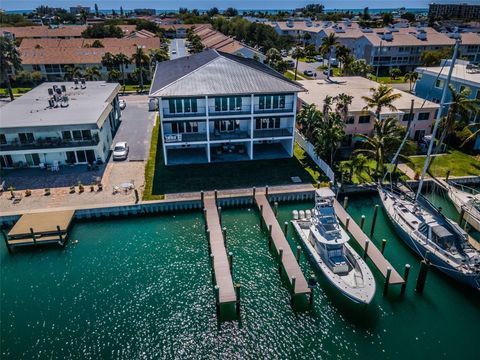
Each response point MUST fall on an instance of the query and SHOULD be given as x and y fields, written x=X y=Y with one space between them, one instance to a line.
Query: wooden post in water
x=387 y=280
x=5 y=238
x=220 y=215
x=448 y=175
x=374 y=220
x=261 y=216
x=422 y=276
x=275 y=208
x=347 y=221
x=312 y=283
x=137 y=198
x=208 y=238
x=60 y=237
x=266 y=191
x=280 y=254
x=365 y=253
x=345 y=202
x=212 y=259
x=33 y=236
x=297 y=256
x=216 y=196
x=217 y=299
x=254 y=191
x=285 y=228
x=405 y=278
x=230 y=260
x=224 y=232
x=202 y=197
x=270 y=240
x=382 y=248
x=237 y=292
x=462 y=215
x=362 y=221
x=294 y=282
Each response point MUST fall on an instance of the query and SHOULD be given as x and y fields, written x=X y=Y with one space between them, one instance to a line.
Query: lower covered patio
x=186 y=154
x=272 y=149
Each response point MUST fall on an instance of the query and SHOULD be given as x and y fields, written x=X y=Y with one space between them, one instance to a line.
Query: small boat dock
x=295 y=276
x=382 y=264
x=40 y=228
x=218 y=252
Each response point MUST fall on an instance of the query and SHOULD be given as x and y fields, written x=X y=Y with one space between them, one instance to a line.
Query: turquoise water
x=141 y=288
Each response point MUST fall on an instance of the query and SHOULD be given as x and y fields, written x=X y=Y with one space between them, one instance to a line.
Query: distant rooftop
x=357 y=87
x=461 y=72
x=212 y=72
x=87 y=106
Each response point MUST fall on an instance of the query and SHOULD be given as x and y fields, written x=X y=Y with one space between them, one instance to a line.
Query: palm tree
x=156 y=56
x=10 y=62
x=122 y=60
x=476 y=132
x=382 y=97
x=108 y=60
x=140 y=59
x=309 y=119
x=343 y=54
x=72 y=72
x=411 y=77
x=92 y=73
x=383 y=143
x=114 y=75
x=343 y=103
x=459 y=111
x=297 y=53
x=357 y=165
x=328 y=43
x=329 y=135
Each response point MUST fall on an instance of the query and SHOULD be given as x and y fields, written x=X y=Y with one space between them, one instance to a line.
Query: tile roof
x=408 y=37
x=212 y=72
x=45 y=31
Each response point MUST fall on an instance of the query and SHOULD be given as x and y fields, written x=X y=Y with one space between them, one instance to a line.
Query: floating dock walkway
x=40 y=228
x=295 y=276
x=226 y=293
x=382 y=264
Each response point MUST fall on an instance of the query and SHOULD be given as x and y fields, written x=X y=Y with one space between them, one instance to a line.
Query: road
x=302 y=66
x=136 y=127
x=179 y=46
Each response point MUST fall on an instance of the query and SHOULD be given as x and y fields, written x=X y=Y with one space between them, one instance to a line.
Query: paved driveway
x=136 y=127
x=179 y=46
x=302 y=66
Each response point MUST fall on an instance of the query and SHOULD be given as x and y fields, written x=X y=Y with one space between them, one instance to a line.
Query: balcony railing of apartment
x=229 y=135
x=49 y=143
x=287 y=109
x=185 y=137
x=200 y=112
x=269 y=133
x=245 y=109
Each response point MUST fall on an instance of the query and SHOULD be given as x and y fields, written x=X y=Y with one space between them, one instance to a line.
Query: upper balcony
x=240 y=110
x=184 y=137
x=49 y=143
x=288 y=108
x=272 y=133
x=201 y=111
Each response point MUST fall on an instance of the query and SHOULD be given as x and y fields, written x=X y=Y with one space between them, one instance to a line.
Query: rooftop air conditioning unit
x=339 y=29
x=422 y=35
x=75 y=81
x=84 y=84
x=367 y=30
x=64 y=89
x=50 y=91
x=388 y=36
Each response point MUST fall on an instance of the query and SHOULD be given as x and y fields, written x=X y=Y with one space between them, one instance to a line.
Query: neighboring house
x=454 y=10
x=361 y=120
x=77 y=128
x=431 y=81
x=52 y=57
x=174 y=30
x=213 y=39
x=39 y=32
x=216 y=107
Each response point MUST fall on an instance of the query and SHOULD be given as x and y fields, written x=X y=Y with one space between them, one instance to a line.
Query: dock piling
x=285 y=228
x=34 y=238
x=224 y=232
x=254 y=191
x=275 y=208
x=237 y=293
x=387 y=281
x=220 y=215
x=5 y=238
x=270 y=236
x=60 y=237
x=365 y=253
x=294 y=281
x=299 y=250
x=382 y=248
x=362 y=221
x=405 y=278
x=280 y=255
x=374 y=220
x=448 y=175
x=216 y=195
x=217 y=299
x=422 y=276
x=266 y=191
x=462 y=215
x=345 y=202
x=202 y=196
x=347 y=221
x=261 y=216
x=230 y=260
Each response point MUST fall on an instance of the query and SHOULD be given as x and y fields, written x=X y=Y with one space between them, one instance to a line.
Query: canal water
x=141 y=288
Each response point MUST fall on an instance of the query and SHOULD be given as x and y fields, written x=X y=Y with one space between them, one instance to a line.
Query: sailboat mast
x=437 y=120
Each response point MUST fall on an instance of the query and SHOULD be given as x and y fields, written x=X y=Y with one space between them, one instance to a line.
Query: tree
x=408 y=16
x=72 y=72
x=395 y=73
x=343 y=54
x=309 y=119
x=382 y=97
x=328 y=43
x=473 y=131
x=411 y=77
x=357 y=165
x=357 y=67
x=108 y=60
x=10 y=62
x=230 y=12
x=100 y=31
x=122 y=60
x=297 y=53
x=343 y=103
x=97 y=44
x=387 y=18
x=313 y=10
x=156 y=56
x=366 y=14
x=434 y=57
x=329 y=135
x=273 y=56
x=121 y=11
x=213 y=11
x=459 y=112
x=92 y=73
x=140 y=59
x=384 y=142
x=96 y=10
x=114 y=75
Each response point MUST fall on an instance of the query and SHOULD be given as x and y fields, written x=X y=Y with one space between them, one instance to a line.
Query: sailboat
x=327 y=245
x=467 y=200
x=424 y=228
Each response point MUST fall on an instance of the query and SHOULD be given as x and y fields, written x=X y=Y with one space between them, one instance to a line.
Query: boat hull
x=469 y=218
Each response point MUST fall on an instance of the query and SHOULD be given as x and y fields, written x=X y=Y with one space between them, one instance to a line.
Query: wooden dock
x=373 y=253
x=288 y=260
x=41 y=228
x=220 y=263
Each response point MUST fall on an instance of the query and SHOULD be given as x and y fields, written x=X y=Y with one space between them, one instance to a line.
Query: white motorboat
x=467 y=199
x=327 y=244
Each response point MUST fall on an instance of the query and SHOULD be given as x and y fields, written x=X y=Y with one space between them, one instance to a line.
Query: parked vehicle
x=291 y=64
x=284 y=53
x=308 y=73
x=120 y=151
x=123 y=104
x=174 y=52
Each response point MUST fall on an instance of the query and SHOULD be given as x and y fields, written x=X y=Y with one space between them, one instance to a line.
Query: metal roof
x=212 y=72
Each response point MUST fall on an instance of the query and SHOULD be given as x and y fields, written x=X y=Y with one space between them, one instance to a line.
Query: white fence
x=310 y=150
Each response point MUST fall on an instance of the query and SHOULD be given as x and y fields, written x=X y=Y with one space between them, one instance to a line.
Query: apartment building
x=52 y=57
x=215 y=107
x=61 y=123
x=360 y=119
x=459 y=11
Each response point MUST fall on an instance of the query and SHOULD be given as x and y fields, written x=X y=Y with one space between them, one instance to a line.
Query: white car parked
x=120 y=151
x=123 y=104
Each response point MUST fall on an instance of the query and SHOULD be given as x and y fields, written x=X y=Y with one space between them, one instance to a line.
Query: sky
x=222 y=4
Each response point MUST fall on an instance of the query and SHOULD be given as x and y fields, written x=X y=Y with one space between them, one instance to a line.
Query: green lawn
x=368 y=176
x=387 y=80
x=161 y=179
x=291 y=75
x=459 y=164
x=16 y=91
x=307 y=59
x=146 y=87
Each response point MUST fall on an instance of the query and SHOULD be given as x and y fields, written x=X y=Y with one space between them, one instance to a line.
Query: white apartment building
x=217 y=107
x=59 y=123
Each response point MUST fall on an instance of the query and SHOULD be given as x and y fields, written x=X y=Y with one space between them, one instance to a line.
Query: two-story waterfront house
x=215 y=106
x=59 y=123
